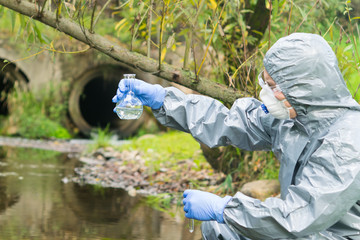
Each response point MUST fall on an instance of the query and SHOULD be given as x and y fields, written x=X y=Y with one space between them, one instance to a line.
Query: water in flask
x=129 y=112
x=130 y=107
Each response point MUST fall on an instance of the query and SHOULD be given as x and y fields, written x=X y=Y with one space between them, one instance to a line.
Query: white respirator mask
x=272 y=105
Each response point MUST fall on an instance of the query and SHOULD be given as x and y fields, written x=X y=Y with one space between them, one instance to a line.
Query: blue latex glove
x=204 y=206
x=149 y=94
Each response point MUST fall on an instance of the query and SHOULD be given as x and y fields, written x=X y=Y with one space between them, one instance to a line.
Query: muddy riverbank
x=66 y=146
x=127 y=170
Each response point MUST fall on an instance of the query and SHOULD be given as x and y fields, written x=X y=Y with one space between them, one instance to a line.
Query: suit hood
x=306 y=69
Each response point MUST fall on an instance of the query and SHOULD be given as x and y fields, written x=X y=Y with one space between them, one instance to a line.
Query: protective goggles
x=265 y=85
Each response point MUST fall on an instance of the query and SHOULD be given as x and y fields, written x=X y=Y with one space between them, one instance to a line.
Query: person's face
x=278 y=94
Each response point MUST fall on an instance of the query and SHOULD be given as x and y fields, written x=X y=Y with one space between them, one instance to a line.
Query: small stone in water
x=132 y=192
x=65 y=180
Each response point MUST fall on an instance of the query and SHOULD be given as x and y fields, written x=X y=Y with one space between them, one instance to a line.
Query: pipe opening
x=5 y=87
x=9 y=75
x=95 y=102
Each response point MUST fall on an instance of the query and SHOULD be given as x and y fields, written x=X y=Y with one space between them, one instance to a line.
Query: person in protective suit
x=312 y=127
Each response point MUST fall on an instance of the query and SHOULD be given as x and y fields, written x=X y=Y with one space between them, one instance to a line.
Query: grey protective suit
x=319 y=150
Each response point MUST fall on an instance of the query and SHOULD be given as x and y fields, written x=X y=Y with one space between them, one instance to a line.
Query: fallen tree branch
x=132 y=59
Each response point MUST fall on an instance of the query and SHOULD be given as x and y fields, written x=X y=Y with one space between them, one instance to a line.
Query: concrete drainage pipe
x=90 y=104
x=9 y=75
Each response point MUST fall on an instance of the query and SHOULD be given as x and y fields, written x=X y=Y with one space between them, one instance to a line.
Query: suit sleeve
x=210 y=122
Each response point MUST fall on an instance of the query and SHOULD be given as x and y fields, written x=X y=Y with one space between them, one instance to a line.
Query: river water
x=36 y=204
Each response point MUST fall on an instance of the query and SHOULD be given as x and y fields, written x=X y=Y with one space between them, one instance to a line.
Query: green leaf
x=275 y=8
x=38 y=33
x=282 y=3
x=22 y=25
x=178 y=15
x=303 y=14
x=18 y=33
x=258 y=32
x=246 y=11
x=194 y=3
x=13 y=19
x=184 y=31
x=1 y=11
x=348 y=48
x=30 y=37
x=22 y=20
x=46 y=39
x=326 y=4
x=229 y=27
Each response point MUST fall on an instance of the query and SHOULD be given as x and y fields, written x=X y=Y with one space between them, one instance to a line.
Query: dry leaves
x=128 y=170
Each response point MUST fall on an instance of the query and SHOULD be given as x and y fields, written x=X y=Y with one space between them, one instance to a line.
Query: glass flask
x=129 y=107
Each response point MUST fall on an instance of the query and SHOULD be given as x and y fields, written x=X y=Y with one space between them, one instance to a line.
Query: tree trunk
x=223 y=159
x=165 y=71
x=258 y=21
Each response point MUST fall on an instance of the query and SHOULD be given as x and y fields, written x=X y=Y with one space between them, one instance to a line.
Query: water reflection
x=35 y=204
x=7 y=197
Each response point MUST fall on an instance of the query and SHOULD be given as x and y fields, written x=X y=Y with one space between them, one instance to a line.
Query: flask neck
x=130 y=77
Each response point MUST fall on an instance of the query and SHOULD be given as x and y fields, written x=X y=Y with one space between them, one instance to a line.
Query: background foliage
x=37 y=115
x=211 y=38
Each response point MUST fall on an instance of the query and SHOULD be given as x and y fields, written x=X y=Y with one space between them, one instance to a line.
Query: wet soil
x=71 y=146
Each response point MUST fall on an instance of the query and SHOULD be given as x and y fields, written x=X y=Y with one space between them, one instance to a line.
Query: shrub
x=37 y=115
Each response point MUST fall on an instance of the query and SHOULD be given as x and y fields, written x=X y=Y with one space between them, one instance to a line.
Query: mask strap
x=283 y=101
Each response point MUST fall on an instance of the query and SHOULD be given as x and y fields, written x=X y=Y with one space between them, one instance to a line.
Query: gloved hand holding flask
x=151 y=95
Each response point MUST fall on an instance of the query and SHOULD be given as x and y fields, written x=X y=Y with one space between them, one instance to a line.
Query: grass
x=36 y=115
x=161 y=202
x=101 y=138
x=166 y=149
x=30 y=155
